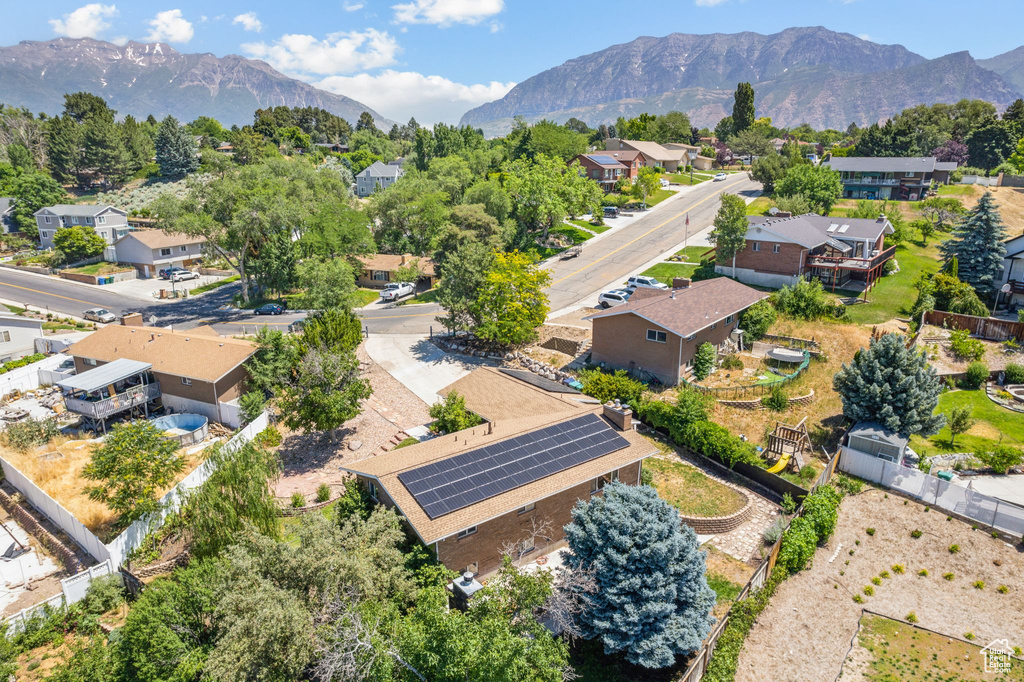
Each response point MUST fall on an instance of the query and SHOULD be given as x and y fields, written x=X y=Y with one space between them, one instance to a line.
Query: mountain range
x=153 y=78
x=800 y=75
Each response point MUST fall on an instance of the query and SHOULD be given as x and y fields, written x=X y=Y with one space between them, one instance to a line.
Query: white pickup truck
x=397 y=290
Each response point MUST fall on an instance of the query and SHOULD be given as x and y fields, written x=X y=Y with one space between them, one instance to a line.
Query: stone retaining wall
x=713 y=525
x=93 y=279
x=162 y=567
x=755 y=404
x=32 y=526
x=566 y=346
x=299 y=511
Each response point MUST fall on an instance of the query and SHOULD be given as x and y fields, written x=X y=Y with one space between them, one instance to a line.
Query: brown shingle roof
x=385 y=469
x=688 y=310
x=158 y=239
x=391 y=262
x=496 y=397
x=195 y=355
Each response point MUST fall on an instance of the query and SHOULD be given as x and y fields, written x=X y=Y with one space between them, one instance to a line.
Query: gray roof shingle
x=379 y=170
x=810 y=230
x=908 y=164
x=87 y=210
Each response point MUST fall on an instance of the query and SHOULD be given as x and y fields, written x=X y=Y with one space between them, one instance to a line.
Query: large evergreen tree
x=176 y=150
x=978 y=243
x=652 y=601
x=893 y=385
x=743 y=108
x=64 y=148
x=105 y=150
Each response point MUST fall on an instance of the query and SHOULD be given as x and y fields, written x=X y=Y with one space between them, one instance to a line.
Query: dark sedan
x=270 y=309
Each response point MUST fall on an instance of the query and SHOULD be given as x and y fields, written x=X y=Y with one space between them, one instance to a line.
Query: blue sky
x=437 y=58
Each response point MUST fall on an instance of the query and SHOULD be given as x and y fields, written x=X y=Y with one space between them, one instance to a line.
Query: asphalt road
x=606 y=261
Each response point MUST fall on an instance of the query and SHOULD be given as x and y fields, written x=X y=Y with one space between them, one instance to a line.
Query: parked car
x=270 y=309
x=297 y=326
x=664 y=182
x=181 y=276
x=614 y=297
x=720 y=176
x=611 y=211
x=167 y=272
x=641 y=282
x=99 y=315
x=397 y=290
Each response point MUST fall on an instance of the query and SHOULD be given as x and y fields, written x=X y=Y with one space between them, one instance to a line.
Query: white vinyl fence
x=118 y=549
x=73 y=589
x=934 y=491
x=27 y=378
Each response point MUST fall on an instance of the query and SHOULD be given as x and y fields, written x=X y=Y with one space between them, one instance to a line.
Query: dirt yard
x=807 y=629
x=935 y=340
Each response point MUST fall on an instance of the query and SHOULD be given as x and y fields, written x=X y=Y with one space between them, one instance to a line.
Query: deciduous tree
x=511 y=302
x=326 y=392
x=78 y=242
x=820 y=185
x=729 y=235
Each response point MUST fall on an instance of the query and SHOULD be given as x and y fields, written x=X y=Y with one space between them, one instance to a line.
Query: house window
x=756 y=246
x=528 y=508
x=183 y=249
x=691 y=337
x=909 y=174
x=185 y=381
x=102 y=220
x=44 y=235
x=600 y=482
x=656 y=336
x=371 y=488
x=528 y=545
x=46 y=219
x=775 y=248
x=88 y=221
x=380 y=275
x=728 y=320
x=466 y=533
x=165 y=252
x=103 y=234
x=5 y=336
x=473 y=568
x=89 y=361
x=714 y=324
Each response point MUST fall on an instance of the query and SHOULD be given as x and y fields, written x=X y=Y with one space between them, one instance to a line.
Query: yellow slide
x=780 y=465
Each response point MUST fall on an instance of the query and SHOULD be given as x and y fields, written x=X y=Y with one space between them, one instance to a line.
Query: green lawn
x=691 y=491
x=759 y=205
x=210 y=286
x=101 y=268
x=14 y=309
x=658 y=197
x=574 y=233
x=955 y=190
x=894 y=294
x=725 y=589
x=422 y=297
x=992 y=423
x=364 y=297
x=587 y=225
x=693 y=253
x=666 y=271
x=684 y=178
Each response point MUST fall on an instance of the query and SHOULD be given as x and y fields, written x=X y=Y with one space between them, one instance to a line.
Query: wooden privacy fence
x=989 y=328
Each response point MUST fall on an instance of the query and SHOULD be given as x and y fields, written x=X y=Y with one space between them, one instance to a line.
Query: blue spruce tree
x=176 y=150
x=978 y=245
x=652 y=601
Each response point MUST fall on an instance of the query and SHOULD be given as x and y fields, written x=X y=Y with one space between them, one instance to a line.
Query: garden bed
x=935 y=341
x=817 y=605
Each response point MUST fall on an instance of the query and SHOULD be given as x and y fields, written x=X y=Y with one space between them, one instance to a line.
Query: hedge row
x=15 y=364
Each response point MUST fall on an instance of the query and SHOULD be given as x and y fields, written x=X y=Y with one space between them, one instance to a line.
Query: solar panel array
x=603 y=160
x=529 y=377
x=451 y=484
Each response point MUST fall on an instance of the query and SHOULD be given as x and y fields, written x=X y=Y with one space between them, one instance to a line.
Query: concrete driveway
x=1008 y=488
x=418 y=364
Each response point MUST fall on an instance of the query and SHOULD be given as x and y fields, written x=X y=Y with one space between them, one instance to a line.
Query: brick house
x=673 y=157
x=841 y=252
x=379 y=269
x=630 y=158
x=509 y=483
x=657 y=332
x=195 y=371
x=150 y=251
x=602 y=169
x=902 y=178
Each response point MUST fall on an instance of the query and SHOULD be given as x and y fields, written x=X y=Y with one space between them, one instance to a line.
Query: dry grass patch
x=57 y=469
x=691 y=491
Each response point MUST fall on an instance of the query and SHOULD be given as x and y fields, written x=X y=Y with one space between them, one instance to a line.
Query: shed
x=871 y=438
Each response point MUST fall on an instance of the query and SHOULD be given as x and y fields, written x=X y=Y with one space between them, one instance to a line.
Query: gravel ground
x=310 y=460
x=806 y=631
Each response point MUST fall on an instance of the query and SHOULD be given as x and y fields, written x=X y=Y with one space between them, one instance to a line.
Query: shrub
x=1001 y=458
x=717 y=442
x=788 y=503
x=911 y=617
x=298 y=500
x=858 y=599
x=703 y=361
x=773 y=532
x=798 y=545
x=646 y=477
x=916 y=533
x=948 y=576
x=1014 y=373
x=979 y=584
x=969 y=635
x=104 y=593
x=757 y=319
x=953 y=549
x=269 y=437
x=899 y=569
x=777 y=400
x=964 y=346
x=354 y=501
x=883 y=574
x=848 y=484
x=1002 y=589
x=731 y=362
x=805 y=300
x=323 y=492
x=923 y=573
x=876 y=580
x=807 y=473
x=25 y=435
x=976 y=375
x=450 y=415
x=251 y=405
x=870 y=531
x=869 y=591
x=607 y=386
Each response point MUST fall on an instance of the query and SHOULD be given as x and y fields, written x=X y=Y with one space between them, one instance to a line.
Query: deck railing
x=101 y=409
x=852 y=263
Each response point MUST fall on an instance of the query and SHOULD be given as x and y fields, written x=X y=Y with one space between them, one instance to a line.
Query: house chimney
x=618 y=414
x=783 y=214
x=405 y=258
x=680 y=283
x=131 y=319
x=881 y=217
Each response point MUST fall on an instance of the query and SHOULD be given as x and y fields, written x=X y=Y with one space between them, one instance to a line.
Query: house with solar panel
x=844 y=253
x=602 y=169
x=508 y=485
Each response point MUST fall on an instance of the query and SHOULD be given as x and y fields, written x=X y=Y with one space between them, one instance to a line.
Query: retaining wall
x=711 y=525
x=756 y=403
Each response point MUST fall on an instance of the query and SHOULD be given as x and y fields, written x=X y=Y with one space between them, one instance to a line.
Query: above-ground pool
x=186 y=428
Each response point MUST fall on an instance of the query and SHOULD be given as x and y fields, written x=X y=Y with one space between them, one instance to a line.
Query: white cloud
x=169 y=27
x=87 y=21
x=120 y=41
x=337 y=53
x=864 y=36
x=353 y=6
x=249 y=22
x=446 y=12
x=398 y=95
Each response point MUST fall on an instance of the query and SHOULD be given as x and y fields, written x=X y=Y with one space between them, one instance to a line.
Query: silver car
x=614 y=297
x=99 y=315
